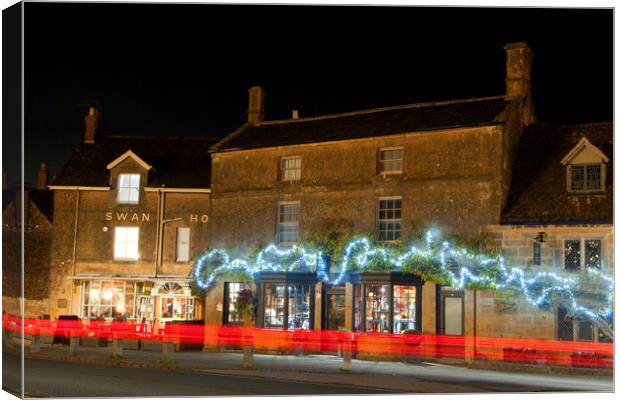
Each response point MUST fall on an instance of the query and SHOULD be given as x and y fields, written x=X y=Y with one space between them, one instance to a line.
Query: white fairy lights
x=456 y=265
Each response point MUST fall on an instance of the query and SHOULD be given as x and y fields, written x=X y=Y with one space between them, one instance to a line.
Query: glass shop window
x=298 y=306
x=404 y=308
x=377 y=308
x=274 y=298
x=108 y=299
x=231 y=293
x=177 y=308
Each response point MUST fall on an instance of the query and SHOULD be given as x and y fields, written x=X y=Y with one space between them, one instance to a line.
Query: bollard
x=248 y=357
x=117 y=347
x=167 y=349
x=346 y=354
x=7 y=339
x=74 y=344
x=35 y=345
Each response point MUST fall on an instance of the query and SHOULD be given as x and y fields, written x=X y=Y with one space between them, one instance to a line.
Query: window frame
x=378 y=220
x=569 y=178
x=582 y=249
x=282 y=170
x=124 y=259
x=177 y=257
x=278 y=223
x=381 y=162
x=122 y=189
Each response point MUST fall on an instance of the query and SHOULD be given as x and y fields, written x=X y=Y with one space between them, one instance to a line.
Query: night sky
x=184 y=70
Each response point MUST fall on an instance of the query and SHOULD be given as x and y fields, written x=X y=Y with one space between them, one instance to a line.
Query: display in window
x=298 y=306
x=404 y=308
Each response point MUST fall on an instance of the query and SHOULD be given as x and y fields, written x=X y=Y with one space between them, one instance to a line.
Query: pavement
x=326 y=369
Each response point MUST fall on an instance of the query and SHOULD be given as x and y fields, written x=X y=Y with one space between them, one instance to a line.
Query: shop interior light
x=107 y=295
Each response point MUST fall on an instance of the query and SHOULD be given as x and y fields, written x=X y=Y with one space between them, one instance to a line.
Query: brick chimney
x=256 y=105
x=519 y=77
x=42 y=177
x=91 y=122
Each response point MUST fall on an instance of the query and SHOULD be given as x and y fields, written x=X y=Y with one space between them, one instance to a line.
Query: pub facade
x=131 y=213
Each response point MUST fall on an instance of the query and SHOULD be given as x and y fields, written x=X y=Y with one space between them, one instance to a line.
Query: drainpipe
x=157 y=234
x=75 y=227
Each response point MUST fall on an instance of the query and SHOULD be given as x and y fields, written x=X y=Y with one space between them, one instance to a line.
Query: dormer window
x=585 y=178
x=128 y=188
x=586 y=167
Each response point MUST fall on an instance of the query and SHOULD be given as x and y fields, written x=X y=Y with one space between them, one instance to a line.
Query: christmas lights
x=438 y=261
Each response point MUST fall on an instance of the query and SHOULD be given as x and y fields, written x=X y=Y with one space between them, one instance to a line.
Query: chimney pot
x=295 y=114
x=91 y=121
x=256 y=105
x=519 y=76
x=42 y=177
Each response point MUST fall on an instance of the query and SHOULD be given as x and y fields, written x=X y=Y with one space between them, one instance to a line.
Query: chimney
x=256 y=105
x=91 y=121
x=42 y=177
x=519 y=78
x=295 y=114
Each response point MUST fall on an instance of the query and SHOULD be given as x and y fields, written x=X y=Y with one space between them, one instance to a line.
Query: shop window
x=389 y=219
x=231 y=293
x=392 y=306
x=391 y=160
x=177 y=308
x=288 y=222
x=126 y=243
x=108 y=299
x=290 y=168
x=274 y=299
x=182 y=244
x=128 y=191
x=582 y=252
x=287 y=303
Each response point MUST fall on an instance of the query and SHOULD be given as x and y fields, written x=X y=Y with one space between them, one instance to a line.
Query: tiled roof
x=367 y=123
x=179 y=162
x=538 y=193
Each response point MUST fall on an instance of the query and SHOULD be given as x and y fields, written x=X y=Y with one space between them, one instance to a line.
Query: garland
x=434 y=260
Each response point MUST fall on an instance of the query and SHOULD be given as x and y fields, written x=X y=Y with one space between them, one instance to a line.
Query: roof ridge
x=159 y=137
x=584 y=124
x=381 y=109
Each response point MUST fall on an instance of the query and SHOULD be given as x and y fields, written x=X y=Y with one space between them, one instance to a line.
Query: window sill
x=126 y=260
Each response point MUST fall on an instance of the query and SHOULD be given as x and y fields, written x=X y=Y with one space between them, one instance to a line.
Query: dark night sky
x=175 y=70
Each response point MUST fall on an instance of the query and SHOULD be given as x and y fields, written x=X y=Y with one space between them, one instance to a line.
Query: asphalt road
x=59 y=379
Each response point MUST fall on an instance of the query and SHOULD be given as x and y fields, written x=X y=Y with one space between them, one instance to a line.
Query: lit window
x=391 y=160
x=582 y=252
x=274 y=300
x=290 y=168
x=231 y=290
x=109 y=299
x=585 y=178
x=128 y=188
x=288 y=222
x=126 y=243
x=182 y=244
x=389 y=219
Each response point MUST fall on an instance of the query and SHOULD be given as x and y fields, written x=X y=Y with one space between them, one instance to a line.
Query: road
x=64 y=379
x=60 y=379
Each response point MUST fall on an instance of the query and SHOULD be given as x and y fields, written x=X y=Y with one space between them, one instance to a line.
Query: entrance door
x=450 y=312
x=334 y=309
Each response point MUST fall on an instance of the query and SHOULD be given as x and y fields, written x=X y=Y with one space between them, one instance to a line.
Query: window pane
x=126 y=243
x=290 y=168
x=572 y=254
x=288 y=226
x=404 y=308
x=593 y=253
x=128 y=188
x=391 y=160
x=377 y=308
x=577 y=178
x=298 y=306
x=182 y=244
x=585 y=331
x=232 y=316
x=273 y=300
x=389 y=219
x=593 y=177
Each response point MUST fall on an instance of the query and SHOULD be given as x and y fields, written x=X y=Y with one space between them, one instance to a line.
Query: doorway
x=334 y=311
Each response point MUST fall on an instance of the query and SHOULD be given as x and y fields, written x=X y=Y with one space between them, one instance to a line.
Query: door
x=334 y=309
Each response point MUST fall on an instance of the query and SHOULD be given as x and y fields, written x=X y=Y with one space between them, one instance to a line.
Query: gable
x=585 y=153
x=129 y=155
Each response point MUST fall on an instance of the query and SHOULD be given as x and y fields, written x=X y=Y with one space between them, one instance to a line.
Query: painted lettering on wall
x=146 y=217
x=127 y=216
x=195 y=217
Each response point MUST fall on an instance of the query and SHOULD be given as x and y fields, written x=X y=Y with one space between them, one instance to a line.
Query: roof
x=367 y=123
x=538 y=191
x=42 y=198
x=178 y=162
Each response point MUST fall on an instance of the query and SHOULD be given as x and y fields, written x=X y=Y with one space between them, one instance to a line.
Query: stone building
x=36 y=227
x=131 y=214
x=463 y=166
